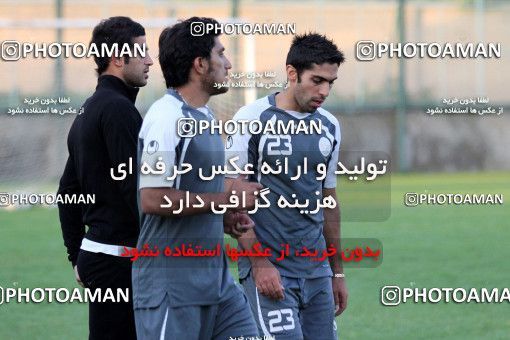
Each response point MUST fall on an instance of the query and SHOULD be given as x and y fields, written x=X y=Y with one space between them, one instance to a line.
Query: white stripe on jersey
x=163 y=328
x=261 y=317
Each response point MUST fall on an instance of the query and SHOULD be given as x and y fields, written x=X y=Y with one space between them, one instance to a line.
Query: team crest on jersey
x=229 y=142
x=325 y=146
x=152 y=147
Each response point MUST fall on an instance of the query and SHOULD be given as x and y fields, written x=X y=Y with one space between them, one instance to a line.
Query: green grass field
x=424 y=246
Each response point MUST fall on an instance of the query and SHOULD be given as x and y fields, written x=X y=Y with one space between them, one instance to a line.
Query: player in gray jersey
x=295 y=296
x=184 y=290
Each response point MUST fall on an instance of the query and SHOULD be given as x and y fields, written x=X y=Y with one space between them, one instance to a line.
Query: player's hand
x=267 y=279
x=229 y=221
x=240 y=186
x=340 y=294
x=77 y=276
x=236 y=223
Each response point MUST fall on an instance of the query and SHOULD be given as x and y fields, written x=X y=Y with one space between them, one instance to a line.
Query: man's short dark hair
x=178 y=48
x=119 y=30
x=312 y=48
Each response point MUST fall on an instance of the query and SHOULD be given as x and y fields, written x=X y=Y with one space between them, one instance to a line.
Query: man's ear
x=118 y=62
x=201 y=65
x=292 y=74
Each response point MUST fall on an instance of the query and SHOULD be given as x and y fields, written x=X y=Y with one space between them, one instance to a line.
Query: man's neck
x=193 y=95
x=285 y=101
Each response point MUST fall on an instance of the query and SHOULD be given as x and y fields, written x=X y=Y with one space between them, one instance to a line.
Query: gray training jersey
x=276 y=227
x=187 y=280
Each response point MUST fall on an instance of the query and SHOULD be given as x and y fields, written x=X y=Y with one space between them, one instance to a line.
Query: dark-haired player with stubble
x=176 y=296
x=295 y=297
x=102 y=137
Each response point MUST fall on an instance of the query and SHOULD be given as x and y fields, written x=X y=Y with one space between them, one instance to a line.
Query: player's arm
x=332 y=236
x=120 y=124
x=332 y=224
x=70 y=215
x=332 y=230
x=267 y=278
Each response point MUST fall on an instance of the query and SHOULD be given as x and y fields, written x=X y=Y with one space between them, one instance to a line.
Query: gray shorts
x=306 y=312
x=227 y=320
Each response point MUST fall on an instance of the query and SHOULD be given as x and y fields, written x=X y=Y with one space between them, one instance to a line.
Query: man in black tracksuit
x=104 y=136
